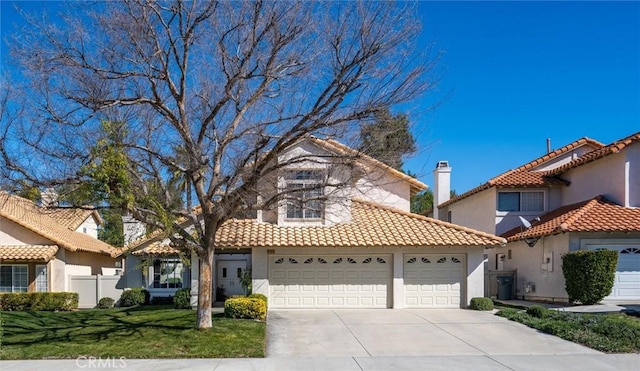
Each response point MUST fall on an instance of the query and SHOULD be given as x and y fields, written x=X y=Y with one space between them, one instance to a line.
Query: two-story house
x=585 y=195
x=42 y=248
x=351 y=247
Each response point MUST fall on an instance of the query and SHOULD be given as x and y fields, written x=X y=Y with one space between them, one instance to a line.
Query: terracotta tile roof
x=369 y=162
x=523 y=176
x=32 y=253
x=610 y=149
x=372 y=225
x=30 y=216
x=71 y=218
x=595 y=215
x=157 y=248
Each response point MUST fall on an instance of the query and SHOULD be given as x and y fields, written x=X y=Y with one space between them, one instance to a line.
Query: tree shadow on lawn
x=27 y=328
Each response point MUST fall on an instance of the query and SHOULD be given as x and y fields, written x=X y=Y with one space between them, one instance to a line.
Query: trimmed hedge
x=182 y=299
x=162 y=300
x=133 y=297
x=589 y=275
x=249 y=308
x=261 y=297
x=481 y=304
x=105 y=303
x=47 y=301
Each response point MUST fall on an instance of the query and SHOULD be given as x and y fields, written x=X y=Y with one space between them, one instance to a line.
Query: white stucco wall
x=548 y=278
x=473 y=287
x=564 y=158
x=632 y=168
x=476 y=211
x=89 y=227
x=14 y=234
x=605 y=176
x=383 y=189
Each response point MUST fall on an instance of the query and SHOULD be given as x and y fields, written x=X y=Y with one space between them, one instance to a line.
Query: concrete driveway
x=398 y=332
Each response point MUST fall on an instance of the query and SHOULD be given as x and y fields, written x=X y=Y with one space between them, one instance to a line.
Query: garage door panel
x=627 y=277
x=433 y=280
x=330 y=281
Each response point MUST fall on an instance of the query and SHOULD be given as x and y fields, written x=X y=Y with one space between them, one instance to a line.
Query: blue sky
x=517 y=73
x=522 y=72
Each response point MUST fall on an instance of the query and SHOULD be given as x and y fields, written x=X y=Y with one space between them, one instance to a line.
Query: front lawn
x=612 y=333
x=139 y=332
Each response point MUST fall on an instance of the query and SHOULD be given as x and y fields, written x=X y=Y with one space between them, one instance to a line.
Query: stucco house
x=41 y=248
x=585 y=195
x=353 y=247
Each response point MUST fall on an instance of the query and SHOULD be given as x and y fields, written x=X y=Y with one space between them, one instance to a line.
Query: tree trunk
x=205 y=275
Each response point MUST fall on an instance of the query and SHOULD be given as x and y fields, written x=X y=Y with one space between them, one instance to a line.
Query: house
x=585 y=195
x=353 y=247
x=41 y=248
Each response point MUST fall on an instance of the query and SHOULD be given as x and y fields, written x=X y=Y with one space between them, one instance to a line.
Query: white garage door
x=329 y=281
x=627 y=282
x=433 y=280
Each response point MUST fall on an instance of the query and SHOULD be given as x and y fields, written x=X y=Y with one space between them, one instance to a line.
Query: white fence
x=90 y=289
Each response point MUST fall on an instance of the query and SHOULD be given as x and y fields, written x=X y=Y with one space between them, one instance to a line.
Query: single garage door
x=433 y=280
x=330 y=281
x=627 y=282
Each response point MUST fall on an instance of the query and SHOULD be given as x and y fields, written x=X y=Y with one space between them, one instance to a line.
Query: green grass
x=611 y=333
x=140 y=332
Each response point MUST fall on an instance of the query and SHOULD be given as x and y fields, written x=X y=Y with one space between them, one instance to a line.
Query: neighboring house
x=582 y=196
x=42 y=248
x=354 y=247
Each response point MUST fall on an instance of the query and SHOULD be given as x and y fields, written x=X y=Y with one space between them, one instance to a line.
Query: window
x=167 y=273
x=520 y=201
x=14 y=278
x=42 y=281
x=306 y=192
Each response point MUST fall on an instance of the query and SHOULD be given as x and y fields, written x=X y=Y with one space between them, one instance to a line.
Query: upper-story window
x=521 y=201
x=305 y=194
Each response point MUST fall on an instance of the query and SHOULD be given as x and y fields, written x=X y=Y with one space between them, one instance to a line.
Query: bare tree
x=208 y=92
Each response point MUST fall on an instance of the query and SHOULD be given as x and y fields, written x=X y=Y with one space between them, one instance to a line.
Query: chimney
x=133 y=229
x=49 y=198
x=442 y=185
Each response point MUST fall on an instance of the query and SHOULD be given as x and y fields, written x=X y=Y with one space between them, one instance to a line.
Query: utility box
x=505 y=287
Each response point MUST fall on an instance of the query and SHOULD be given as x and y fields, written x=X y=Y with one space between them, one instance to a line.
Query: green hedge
x=137 y=296
x=182 y=299
x=47 y=301
x=481 y=304
x=105 y=303
x=250 y=308
x=589 y=275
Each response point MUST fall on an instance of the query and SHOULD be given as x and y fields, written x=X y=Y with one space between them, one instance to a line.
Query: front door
x=229 y=273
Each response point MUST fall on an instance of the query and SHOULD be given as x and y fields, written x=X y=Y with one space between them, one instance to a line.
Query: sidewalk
x=604 y=362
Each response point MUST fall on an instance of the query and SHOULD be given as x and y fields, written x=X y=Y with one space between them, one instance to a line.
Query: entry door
x=229 y=273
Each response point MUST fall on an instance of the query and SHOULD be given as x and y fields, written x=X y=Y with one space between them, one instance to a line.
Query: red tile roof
x=31 y=253
x=595 y=215
x=610 y=149
x=524 y=177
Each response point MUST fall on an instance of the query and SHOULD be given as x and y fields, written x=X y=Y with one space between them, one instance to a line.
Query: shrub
x=134 y=297
x=261 y=297
x=538 y=311
x=47 y=301
x=589 y=275
x=249 y=308
x=221 y=294
x=105 y=303
x=182 y=299
x=481 y=304
x=162 y=300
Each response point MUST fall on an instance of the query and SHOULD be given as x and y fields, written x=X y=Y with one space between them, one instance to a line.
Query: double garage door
x=364 y=281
